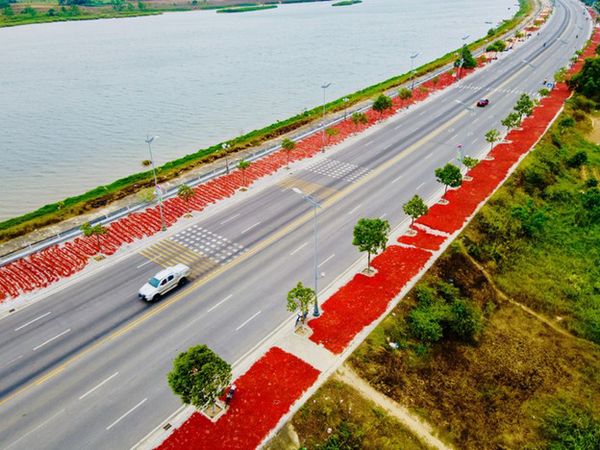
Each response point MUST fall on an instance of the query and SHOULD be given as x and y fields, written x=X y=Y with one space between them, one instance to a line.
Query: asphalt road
x=86 y=366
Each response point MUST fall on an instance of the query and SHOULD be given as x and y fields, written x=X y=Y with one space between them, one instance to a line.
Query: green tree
x=587 y=82
x=449 y=176
x=186 y=193
x=492 y=136
x=524 y=106
x=470 y=162
x=382 y=104
x=51 y=12
x=544 y=92
x=243 y=166
x=288 y=145
x=560 y=75
x=404 y=94
x=94 y=230
x=371 y=235
x=8 y=11
x=464 y=320
x=29 y=11
x=415 y=208
x=359 y=118
x=299 y=299
x=141 y=6
x=199 y=376
x=465 y=59
x=425 y=322
x=331 y=132
x=511 y=121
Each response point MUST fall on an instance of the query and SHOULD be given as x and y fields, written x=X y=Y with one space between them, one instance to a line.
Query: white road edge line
x=230 y=219
x=298 y=249
x=35 y=429
x=51 y=339
x=325 y=260
x=219 y=304
x=246 y=322
x=126 y=414
x=144 y=264
x=98 y=385
x=354 y=209
x=250 y=227
x=420 y=186
x=11 y=361
x=33 y=320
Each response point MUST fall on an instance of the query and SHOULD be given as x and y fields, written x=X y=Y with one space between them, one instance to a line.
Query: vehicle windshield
x=153 y=282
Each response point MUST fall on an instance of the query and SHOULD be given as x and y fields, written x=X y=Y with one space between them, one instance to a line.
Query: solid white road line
x=396 y=179
x=35 y=429
x=250 y=227
x=126 y=414
x=221 y=302
x=246 y=322
x=98 y=385
x=298 y=249
x=325 y=260
x=144 y=264
x=231 y=218
x=32 y=321
x=11 y=361
x=51 y=339
x=420 y=186
x=355 y=209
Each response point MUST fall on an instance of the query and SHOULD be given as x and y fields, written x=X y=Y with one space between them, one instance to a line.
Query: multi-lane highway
x=86 y=366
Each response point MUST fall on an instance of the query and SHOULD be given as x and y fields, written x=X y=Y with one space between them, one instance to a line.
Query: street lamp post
x=149 y=140
x=316 y=205
x=412 y=65
x=225 y=146
x=345 y=100
x=462 y=55
x=324 y=87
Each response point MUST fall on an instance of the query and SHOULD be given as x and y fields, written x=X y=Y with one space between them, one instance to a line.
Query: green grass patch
x=242 y=9
x=338 y=417
x=347 y=3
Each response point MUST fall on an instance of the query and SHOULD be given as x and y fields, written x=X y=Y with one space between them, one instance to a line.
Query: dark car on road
x=483 y=102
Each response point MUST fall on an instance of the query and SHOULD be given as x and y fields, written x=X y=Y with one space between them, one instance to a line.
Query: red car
x=483 y=102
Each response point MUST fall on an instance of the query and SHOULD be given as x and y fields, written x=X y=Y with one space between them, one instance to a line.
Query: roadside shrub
x=465 y=321
x=578 y=159
x=591 y=182
x=579 y=102
x=537 y=176
x=530 y=217
x=425 y=323
x=590 y=205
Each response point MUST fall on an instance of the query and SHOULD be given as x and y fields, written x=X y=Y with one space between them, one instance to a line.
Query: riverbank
x=13 y=14
x=103 y=196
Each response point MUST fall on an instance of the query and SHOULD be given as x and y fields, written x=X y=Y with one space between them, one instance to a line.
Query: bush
x=531 y=218
x=425 y=323
x=537 y=176
x=587 y=82
x=578 y=159
x=465 y=321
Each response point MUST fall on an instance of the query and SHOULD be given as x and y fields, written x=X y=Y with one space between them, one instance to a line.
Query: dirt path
x=415 y=424
x=552 y=324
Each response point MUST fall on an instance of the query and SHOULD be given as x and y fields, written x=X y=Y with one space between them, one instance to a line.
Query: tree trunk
x=369 y=261
x=98 y=242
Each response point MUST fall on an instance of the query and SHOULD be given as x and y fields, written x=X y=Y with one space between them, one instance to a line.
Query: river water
x=78 y=98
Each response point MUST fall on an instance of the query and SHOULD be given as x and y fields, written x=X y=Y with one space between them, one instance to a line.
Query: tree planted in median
x=199 y=376
x=371 y=235
x=288 y=145
x=492 y=136
x=94 y=230
x=470 y=162
x=511 y=121
x=382 y=104
x=243 y=166
x=449 y=176
x=404 y=94
x=299 y=299
x=185 y=193
x=359 y=118
x=524 y=106
x=331 y=132
x=415 y=208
